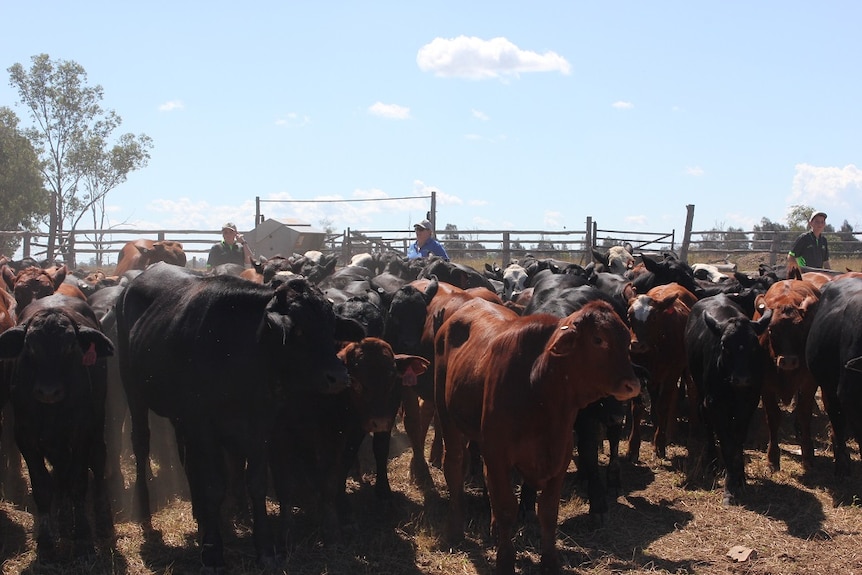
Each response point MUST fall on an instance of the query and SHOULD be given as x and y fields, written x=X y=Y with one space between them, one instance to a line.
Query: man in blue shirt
x=425 y=243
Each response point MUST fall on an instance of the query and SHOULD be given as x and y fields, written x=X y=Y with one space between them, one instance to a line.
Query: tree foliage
x=22 y=194
x=72 y=133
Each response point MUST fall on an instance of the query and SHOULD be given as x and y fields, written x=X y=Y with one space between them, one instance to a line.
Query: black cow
x=726 y=363
x=557 y=299
x=833 y=352
x=219 y=356
x=58 y=396
x=458 y=275
x=668 y=270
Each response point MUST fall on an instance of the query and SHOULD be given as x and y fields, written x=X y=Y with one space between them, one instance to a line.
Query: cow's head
x=376 y=377
x=52 y=352
x=739 y=343
x=34 y=283
x=593 y=343
x=300 y=333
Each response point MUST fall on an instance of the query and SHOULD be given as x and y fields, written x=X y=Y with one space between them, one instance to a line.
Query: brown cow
x=35 y=283
x=138 y=254
x=515 y=384
x=794 y=304
x=657 y=321
x=418 y=400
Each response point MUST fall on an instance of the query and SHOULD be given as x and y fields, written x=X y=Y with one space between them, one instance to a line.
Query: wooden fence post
x=507 y=250
x=686 y=237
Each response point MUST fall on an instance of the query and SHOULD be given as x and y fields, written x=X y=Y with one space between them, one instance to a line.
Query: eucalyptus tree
x=72 y=133
x=22 y=192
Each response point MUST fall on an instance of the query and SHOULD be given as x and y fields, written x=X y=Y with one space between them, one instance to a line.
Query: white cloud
x=478 y=59
x=827 y=187
x=171 y=106
x=638 y=220
x=694 y=171
x=392 y=111
x=621 y=105
x=554 y=219
x=293 y=120
x=480 y=115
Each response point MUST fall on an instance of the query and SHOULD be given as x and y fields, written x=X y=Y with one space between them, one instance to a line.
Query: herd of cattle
x=272 y=376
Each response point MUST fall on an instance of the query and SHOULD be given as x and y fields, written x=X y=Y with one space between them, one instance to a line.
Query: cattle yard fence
x=96 y=248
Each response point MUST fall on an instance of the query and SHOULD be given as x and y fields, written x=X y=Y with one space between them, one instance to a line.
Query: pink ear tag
x=409 y=377
x=90 y=356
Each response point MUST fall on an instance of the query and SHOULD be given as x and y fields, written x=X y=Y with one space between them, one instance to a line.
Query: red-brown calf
x=515 y=384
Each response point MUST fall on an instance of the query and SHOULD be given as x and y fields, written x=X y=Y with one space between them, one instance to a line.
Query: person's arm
x=211 y=257
x=440 y=250
x=413 y=251
x=249 y=256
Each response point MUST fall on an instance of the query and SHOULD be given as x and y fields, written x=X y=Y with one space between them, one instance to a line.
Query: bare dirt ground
x=788 y=522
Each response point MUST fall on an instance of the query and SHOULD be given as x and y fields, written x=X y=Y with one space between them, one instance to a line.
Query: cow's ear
x=348 y=329
x=762 y=324
x=9 y=276
x=431 y=289
x=854 y=364
x=565 y=340
x=760 y=304
x=414 y=363
x=90 y=338
x=59 y=276
x=712 y=323
x=650 y=264
x=12 y=342
x=666 y=304
x=809 y=304
x=599 y=257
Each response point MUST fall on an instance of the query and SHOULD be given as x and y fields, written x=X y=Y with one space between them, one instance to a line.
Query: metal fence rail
x=100 y=247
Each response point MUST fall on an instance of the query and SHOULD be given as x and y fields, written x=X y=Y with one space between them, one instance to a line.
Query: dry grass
x=796 y=523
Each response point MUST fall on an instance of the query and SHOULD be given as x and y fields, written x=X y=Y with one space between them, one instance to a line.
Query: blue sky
x=519 y=115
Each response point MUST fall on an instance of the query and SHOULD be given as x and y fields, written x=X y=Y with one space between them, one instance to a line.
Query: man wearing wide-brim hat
x=810 y=250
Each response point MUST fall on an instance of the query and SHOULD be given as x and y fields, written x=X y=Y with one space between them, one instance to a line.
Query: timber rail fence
x=100 y=247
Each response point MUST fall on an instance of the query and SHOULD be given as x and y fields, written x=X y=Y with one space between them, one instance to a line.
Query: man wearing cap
x=425 y=244
x=233 y=249
x=810 y=249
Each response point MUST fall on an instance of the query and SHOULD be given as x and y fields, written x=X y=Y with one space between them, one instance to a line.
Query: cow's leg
x=256 y=483
x=504 y=512
x=773 y=422
x=435 y=457
x=380 y=446
x=413 y=427
x=204 y=465
x=77 y=470
x=101 y=497
x=804 y=409
x=614 y=420
x=141 y=449
x=742 y=408
x=549 y=509
x=587 y=427
x=668 y=396
x=454 y=447
x=839 y=428
x=636 y=413
x=43 y=492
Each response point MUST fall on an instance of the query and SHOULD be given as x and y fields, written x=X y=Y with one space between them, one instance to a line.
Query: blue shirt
x=431 y=246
